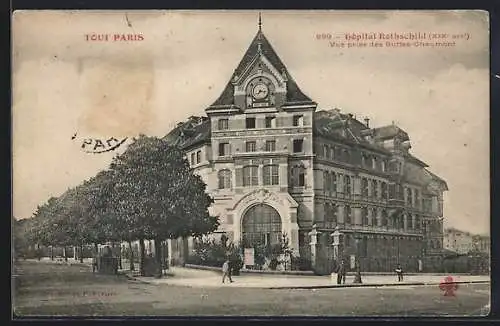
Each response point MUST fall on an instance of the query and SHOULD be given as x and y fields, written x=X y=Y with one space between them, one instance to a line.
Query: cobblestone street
x=60 y=289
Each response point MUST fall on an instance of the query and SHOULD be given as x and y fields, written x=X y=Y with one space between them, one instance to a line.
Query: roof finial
x=260 y=22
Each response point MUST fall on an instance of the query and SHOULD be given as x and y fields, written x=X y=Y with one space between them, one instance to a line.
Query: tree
x=157 y=196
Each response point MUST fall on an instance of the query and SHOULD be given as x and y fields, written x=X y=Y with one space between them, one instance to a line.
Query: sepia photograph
x=250 y=163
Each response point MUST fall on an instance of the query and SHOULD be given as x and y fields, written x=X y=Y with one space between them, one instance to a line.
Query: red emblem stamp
x=448 y=286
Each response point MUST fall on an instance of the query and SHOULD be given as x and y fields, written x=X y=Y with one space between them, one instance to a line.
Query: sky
x=67 y=89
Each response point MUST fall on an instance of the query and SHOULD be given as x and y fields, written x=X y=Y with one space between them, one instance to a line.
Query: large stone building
x=458 y=241
x=276 y=164
x=463 y=242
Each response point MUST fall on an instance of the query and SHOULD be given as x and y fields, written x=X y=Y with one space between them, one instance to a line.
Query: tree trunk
x=142 y=256
x=51 y=252
x=120 y=256
x=131 y=256
x=165 y=254
x=81 y=253
x=65 y=254
x=96 y=248
x=75 y=252
x=158 y=257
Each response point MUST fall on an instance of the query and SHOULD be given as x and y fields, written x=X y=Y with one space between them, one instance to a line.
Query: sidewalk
x=202 y=278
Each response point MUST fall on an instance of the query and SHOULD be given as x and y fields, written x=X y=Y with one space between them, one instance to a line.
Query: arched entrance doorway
x=261 y=226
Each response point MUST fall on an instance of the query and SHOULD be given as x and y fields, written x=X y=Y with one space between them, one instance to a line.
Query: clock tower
x=261 y=80
x=261 y=152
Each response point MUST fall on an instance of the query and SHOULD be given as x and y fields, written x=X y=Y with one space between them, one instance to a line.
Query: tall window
x=364 y=247
x=332 y=153
x=426 y=204
x=298 y=176
x=298 y=120
x=375 y=162
x=364 y=187
x=347 y=184
x=383 y=165
x=193 y=161
x=298 y=145
x=334 y=212
x=326 y=180
x=338 y=153
x=417 y=222
x=384 y=218
x=334 y=182
x=409 y=197
x=251 y=146
x=384 y=190
x=250 y=123
x=374 y=189
x=224 y=179
x=374 y=216
x=325 y=151
x=401 y=193
x=347 y=214
x=364 y=216
x=410 y=221
x=347 y=156
x=250 y=177
x=223 y=124
x=270 y=145
x=363 y=160
x=270 y=122
x=328 y=214
x=198 y=157
x=271 y=174
x=331 y=211
x=417 y=198
x=223 y=149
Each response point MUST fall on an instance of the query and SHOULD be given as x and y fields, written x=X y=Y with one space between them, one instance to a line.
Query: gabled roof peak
x=261 y=45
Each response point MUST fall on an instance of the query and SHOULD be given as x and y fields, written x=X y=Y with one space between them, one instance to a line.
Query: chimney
x=367 y=122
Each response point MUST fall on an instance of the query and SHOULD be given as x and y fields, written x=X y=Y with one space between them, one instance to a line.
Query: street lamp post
x=357 y=277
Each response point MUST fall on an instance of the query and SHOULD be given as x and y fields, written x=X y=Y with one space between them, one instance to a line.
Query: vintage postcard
x=250 y=163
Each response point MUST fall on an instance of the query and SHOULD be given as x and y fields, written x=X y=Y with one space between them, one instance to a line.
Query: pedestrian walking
x=226 y=271
x=341 y=272
x=94 y=262
x=399 y=271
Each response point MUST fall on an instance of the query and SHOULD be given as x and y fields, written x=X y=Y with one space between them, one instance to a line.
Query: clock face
x=260 y=91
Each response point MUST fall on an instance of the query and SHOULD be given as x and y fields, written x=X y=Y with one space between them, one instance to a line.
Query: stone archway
x=282 y=203
x=261 y=225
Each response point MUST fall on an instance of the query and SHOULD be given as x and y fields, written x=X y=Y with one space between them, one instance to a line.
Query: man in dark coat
x=341 y=272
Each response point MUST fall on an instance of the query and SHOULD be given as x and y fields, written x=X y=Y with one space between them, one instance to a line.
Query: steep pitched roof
x=438 y=179
x=189 y=134
x=294 y=94
x=390 y=131
x=422 y=176
x=335 y=125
